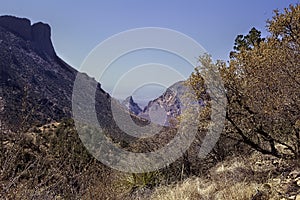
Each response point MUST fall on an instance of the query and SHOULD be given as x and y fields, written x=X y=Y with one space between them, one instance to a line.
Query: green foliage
x=141 y=180
x=247 y=42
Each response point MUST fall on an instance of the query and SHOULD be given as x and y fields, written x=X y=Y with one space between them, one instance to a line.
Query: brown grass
x=50 y=162
x=253 y=177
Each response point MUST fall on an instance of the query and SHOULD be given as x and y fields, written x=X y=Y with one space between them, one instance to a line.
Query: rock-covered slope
x=36 y=85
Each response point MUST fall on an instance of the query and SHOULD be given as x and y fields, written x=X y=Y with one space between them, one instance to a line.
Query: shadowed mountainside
x=37 y=85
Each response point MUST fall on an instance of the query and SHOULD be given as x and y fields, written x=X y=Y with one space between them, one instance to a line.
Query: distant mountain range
x=163 y=110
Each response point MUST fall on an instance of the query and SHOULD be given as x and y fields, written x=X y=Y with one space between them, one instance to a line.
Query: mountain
x=166 y=107
x=38 y=34
x=130 y=105
x=161 y=110
x=37 y=85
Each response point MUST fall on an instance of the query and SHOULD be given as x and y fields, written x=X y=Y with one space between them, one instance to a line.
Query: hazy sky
x=78 y=26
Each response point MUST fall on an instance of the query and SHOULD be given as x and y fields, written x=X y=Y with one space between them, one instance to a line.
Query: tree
x=262 y=85
x=262 y=82
x=247 y=42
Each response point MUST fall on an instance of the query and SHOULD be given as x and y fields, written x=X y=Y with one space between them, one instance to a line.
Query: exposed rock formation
x=19 y=26
x=39 y=34
x=41 y=37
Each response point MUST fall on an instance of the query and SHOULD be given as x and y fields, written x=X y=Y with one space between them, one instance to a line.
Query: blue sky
x=78 y=26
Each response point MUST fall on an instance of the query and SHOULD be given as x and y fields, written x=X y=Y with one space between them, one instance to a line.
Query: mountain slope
x=36 y=85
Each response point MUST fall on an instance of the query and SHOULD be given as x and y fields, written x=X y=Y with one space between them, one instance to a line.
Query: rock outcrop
x=41 y=37
x=19 y=26
x=39 y=34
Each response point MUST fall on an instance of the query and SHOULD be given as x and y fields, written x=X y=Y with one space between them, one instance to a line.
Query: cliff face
x=41 y=38
x=39 y=34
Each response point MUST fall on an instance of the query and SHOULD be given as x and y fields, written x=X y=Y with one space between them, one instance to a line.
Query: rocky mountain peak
x=130 y=99
x=130 y=105
x=167 y=104
x=19 y=26
x=41 y=37
x=39 y=34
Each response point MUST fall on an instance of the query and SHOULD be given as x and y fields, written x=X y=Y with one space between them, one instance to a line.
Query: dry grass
x=196 y=189
x=254 y=177
x=51 y=163
x=189 y=189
